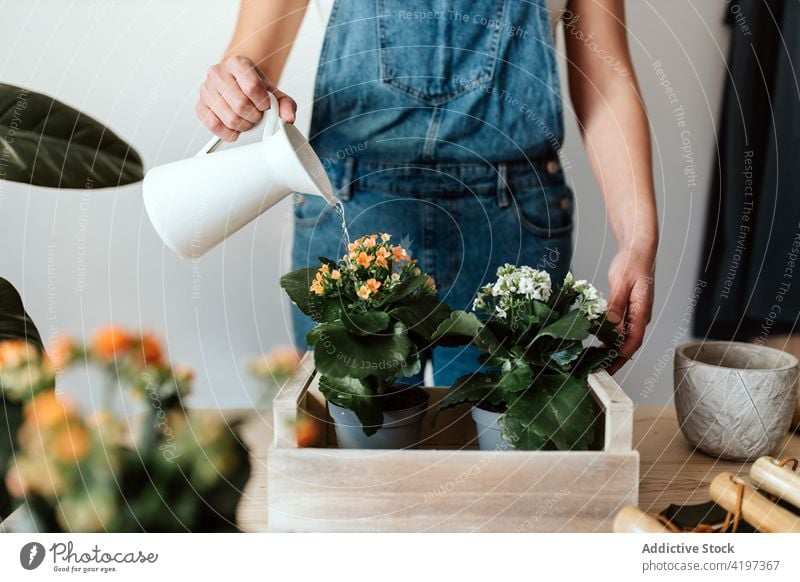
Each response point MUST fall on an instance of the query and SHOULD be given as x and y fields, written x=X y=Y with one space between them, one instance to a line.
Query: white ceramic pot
x=734 y=400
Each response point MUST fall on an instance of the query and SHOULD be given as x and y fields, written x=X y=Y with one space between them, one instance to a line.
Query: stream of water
x=340 y=211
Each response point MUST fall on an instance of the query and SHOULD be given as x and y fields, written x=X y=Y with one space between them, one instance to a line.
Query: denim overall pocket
x=435 y=51
x=545 y=211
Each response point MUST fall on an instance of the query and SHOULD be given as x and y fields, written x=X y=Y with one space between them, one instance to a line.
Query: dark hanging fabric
x=751 y=255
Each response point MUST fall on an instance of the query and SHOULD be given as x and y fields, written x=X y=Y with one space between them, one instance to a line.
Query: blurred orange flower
x=70 y=444
x=110 y=342
x=61 y=351
x=307 y=431
x=45 y=410
x=15 y=352
x=150 y=352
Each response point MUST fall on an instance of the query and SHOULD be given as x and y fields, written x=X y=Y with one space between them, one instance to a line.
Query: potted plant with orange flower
x=376 y=312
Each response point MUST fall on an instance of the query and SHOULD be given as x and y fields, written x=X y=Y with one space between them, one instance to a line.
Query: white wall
x=81 y=260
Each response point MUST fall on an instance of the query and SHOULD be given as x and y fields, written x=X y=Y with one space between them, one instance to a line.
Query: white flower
x=589 y=300
x=500 y=312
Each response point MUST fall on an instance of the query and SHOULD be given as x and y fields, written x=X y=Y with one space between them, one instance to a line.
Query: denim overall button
x=564 y=203
x=552 y=167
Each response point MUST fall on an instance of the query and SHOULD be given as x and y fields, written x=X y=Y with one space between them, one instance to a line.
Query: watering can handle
x=271 y=120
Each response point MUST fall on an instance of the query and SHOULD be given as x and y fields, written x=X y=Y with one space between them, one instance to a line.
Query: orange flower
x=364 y=292
x=324 y=269
x=370 y=242
x=46 y=410
x=399 y=253
x=380 y=257
x=317 y=288
x=15 y=352
x=149 y=349
x=373 y=285
x=385 y=237
x=61 y=351
x=110 y=342
x=336 y=274
x=430 y=285
x=70 y=444
x=183 y=373
x=364 y=259
x=307 y=430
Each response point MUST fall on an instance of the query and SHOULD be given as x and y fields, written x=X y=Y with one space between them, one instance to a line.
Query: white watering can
x=195 y=204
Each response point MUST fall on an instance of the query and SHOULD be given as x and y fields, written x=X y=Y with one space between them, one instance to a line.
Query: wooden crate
x=446 y=485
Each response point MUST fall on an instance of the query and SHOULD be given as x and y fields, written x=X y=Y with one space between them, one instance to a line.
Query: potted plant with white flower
x=531 y=392
x=375 y=312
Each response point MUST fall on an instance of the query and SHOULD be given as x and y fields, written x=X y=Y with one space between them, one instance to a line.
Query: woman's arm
x=616 y=135
x=234 y=96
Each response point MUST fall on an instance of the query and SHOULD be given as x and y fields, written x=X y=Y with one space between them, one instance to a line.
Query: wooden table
x=670 y=471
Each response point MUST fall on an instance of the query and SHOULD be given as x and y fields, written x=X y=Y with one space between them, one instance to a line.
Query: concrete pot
x=734 y=400
x=489 y=436
x=402 y=429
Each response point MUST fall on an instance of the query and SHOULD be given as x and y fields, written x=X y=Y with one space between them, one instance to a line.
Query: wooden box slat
x=446 y=484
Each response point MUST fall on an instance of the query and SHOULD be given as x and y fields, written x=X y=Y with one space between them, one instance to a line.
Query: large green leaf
x=558 y=411
x=354 y=395
x=572 y=326
x=404 y=289
x=462 y=327
x=14 y=320
x=422 y=315
x=566 y=353
x=48 y=143
x=367 y=323
x=516 y=376
x=476 y=387
x=297 y=285
x=339 y=353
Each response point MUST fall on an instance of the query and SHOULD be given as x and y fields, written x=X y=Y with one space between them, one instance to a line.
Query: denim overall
x=439 y=122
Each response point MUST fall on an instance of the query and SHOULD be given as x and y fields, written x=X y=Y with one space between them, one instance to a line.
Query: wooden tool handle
x=757 y=510
x=768 y=475
x=631 y=519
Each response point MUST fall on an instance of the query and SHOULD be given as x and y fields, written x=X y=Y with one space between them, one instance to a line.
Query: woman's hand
x=235 y=96
x=631 y=302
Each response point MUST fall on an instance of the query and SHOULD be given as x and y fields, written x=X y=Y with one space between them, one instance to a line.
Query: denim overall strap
x=438 y=81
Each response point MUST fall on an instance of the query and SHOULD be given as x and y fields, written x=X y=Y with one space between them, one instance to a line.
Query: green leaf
x=51 y=144
x=559 y=411
x=572 y=326
x=354 y=395
x=412 y=365
x=422 y=315
x=606 y=332
x=14 y=320
x=465 y=327
x=338 y=353
x=367 y=323
x=297 y=285
x=567 y=353
x=476 y=387
x=516 y=376
x=519 y=433
x=404 y=289
x=594 y=358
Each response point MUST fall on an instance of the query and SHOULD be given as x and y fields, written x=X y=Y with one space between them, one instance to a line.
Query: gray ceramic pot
x=489 y=436
x=402 y=429
x=734 y=400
